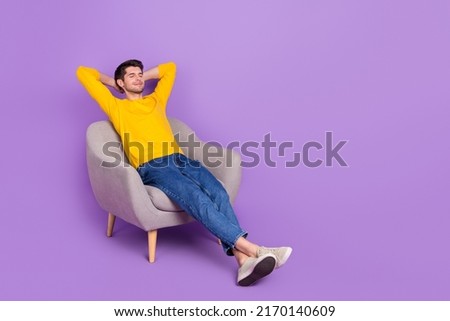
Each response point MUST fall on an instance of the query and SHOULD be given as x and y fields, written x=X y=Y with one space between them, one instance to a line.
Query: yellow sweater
x=142 y=124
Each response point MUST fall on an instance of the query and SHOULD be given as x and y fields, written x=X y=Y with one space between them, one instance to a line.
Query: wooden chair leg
x=152 y=245
x=111 y=220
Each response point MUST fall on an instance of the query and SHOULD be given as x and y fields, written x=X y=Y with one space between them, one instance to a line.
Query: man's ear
x=121 y=83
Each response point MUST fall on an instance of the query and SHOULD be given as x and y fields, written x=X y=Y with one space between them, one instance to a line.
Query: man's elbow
x=172 y=66
x=84 y=72
x=81 y=71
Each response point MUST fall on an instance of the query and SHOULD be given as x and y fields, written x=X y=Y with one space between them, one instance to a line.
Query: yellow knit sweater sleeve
x=90 y=79
x=167 y=74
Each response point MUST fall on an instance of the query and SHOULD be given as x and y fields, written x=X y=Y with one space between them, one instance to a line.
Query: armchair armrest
x=116 y=184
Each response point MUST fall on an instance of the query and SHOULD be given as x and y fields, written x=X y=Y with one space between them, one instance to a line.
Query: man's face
x=133 y=81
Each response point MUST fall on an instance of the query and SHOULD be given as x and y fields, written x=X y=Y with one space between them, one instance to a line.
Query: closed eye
x=133 y=75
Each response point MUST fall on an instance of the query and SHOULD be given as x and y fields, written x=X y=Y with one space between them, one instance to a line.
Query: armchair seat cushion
x=162 y=201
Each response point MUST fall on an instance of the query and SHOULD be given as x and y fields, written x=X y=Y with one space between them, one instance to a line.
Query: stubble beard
x=135 y=91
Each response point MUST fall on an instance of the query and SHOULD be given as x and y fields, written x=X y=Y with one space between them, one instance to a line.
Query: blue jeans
x=197 y=192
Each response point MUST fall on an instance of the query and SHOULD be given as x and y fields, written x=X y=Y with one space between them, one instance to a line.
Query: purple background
x=375 y=73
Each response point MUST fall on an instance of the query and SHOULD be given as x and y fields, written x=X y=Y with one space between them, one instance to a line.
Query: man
x=140 y=120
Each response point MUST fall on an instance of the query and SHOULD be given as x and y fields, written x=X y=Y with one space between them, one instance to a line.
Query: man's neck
x=133 y=96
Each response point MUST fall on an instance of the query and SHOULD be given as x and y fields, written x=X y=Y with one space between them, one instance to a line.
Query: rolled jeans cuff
x=229 y=248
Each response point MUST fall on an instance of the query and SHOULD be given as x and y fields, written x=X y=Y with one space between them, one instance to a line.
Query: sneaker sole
x=262 y=269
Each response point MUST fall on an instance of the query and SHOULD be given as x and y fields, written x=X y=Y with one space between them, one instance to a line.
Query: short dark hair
x=120 y=70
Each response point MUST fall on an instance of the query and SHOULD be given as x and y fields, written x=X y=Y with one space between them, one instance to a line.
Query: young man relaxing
x=140 y=120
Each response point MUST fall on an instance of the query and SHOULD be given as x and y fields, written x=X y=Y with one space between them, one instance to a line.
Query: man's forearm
x=107 y=80
x=151 y=73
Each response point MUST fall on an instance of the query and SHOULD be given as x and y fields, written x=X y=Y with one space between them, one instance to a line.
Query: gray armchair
x=120 y=191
